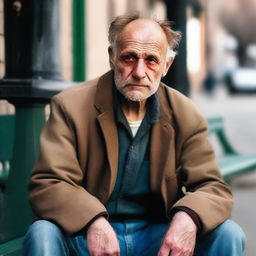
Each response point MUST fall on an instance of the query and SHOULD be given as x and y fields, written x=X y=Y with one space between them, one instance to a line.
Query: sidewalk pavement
x=239 y=114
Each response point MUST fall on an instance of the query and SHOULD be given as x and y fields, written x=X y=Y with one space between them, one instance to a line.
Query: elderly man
x=125 y=165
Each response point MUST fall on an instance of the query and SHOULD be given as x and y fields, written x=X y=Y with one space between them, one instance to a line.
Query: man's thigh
x=228 y=239
x=152 y=237
x=44 y=238
x=139 y=238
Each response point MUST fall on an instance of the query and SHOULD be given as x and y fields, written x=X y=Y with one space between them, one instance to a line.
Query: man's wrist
x=102 y=214
x=193 y=215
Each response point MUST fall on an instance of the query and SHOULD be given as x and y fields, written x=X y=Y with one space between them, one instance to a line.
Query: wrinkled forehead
x=142 y=31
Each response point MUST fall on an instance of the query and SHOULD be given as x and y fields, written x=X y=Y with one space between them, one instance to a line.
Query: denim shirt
x=131 y=197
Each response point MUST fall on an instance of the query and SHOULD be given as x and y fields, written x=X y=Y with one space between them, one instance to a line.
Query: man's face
x=140 y=59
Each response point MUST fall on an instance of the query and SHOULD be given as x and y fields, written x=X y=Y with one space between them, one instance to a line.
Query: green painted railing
x=78 y=40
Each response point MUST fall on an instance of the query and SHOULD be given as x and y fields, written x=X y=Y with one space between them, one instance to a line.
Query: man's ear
x=168 y=63
x=111 y=57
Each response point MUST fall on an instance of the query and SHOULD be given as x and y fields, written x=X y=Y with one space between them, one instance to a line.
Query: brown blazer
x=77 y=168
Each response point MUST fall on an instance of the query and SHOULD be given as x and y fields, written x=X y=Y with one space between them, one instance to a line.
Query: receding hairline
x=141 y=24
x=120 y=22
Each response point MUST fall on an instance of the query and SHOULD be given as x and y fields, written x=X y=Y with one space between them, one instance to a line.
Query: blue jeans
x=135 y=238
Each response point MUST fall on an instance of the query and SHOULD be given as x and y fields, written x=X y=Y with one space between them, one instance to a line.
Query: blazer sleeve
x=55 y=188
x=206 y=193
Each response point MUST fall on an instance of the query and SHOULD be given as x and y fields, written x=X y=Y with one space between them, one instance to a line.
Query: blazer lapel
x=109 y=131
x=162 y=150
x=106 y=119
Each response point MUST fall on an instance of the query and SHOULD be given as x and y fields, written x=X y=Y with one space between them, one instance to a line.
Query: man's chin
x=136 y=97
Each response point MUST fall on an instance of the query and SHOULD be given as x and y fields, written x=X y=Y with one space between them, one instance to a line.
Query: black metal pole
x=32 y=51
x=177 y=76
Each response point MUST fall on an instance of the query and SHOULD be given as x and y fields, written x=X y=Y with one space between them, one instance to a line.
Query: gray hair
x=118 y=24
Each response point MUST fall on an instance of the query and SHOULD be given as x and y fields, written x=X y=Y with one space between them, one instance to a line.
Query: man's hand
x=180 y=237
x=101 y=239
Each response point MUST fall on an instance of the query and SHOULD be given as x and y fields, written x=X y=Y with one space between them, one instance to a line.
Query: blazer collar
x=162 y=150
x=106 y=119
x=104 y=97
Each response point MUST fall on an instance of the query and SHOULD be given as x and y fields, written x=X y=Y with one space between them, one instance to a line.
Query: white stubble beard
x=121 y=84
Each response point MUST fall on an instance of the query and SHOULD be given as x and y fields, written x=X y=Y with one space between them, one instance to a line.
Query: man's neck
x=133 y=110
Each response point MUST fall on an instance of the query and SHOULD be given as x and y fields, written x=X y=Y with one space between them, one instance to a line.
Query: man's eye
x=151 y=60
x=128 y=58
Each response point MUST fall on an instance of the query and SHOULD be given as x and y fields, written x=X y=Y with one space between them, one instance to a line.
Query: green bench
x=231 y=162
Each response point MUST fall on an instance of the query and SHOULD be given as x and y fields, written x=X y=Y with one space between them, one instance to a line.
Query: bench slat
x=235 y=164
x=230 y=162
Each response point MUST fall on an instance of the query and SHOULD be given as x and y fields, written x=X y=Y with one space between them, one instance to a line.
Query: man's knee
x=44 y=230
x=227 y=239
x=41 y=236
x=231 y=232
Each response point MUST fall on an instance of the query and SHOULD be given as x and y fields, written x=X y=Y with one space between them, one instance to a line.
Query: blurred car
x=241 y=80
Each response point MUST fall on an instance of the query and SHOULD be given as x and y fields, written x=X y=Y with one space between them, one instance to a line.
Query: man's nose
x=139 y=71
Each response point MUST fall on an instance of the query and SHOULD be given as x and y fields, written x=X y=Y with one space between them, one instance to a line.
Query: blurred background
x=215 y=65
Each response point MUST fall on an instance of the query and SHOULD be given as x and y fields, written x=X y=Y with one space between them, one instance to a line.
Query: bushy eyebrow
x=129 y=53
x=135 y=55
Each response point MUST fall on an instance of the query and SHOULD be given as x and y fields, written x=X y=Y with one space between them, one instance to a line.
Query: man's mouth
x=136 y=85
